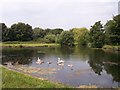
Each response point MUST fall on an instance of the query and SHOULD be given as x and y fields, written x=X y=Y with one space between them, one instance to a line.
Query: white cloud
x=58 y=13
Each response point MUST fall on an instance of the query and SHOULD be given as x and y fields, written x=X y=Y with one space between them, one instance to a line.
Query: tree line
x=96 y=37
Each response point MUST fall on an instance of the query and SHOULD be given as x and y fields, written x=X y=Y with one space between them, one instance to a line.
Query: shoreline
x=35 y=44
x=40 y=80
x=30 y=45
x=44 y=80
x=110 y=47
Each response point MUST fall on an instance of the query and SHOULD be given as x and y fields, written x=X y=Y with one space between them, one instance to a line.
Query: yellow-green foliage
x=79 y=34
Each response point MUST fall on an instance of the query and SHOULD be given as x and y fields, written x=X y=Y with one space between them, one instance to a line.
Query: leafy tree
x=97 y=35
x=50 y=38
x=38 y=33
x=4 y=32
x=67 y=38
x=112 y=31
x=56 y=31
x=21 y=32
x=80 y=35
x=58 y=38
x=47 y=31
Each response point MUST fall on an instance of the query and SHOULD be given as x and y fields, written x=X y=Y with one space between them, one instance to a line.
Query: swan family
x=60 y=62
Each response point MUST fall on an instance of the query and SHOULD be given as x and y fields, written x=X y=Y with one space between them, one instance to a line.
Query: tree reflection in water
x=97 y=59
x=19 y=55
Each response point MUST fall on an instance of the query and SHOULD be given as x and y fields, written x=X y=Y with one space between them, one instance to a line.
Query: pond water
x=90 y=67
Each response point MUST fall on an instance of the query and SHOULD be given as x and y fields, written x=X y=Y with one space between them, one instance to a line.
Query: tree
x=38 y=33
x=58 y=38
x=80 y=35
x=50 y=38
x=4 y=32
x=47 y=31
x=97 y=35
x=21 y=32
x=112 y=31
x=67 y=38
x=56 y=31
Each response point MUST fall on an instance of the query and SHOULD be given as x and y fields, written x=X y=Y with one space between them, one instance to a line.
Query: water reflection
x=103 y=64
x=97 y=59
x=17 y=56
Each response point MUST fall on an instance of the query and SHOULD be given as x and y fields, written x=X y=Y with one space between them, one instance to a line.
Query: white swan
x=60 y=61
x=39 y=61
x=61 y=64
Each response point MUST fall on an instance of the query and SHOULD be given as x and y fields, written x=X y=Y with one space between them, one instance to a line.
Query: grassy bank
x=109 y=47
x=11 y=79
x=38 y=44
x=28 y=44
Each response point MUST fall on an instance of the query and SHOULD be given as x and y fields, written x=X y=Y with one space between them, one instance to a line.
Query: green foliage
x=47 y=31
x=38 y=33
x=56 y=31
x=21 y=32
x=50 y=38
x=58 y=38
x=17 y=32
x=96 y=35
x=48 y=35
x=67 y=38
x=112 y=31
x=4 y=32
x=80 y=35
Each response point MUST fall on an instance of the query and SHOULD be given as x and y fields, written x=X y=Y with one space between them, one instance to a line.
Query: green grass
x=27 y=44
x=12 y=79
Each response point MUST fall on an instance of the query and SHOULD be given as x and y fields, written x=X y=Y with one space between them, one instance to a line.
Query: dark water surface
x=90 y=67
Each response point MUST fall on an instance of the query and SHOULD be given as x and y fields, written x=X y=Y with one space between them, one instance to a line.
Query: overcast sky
x=64 y=14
